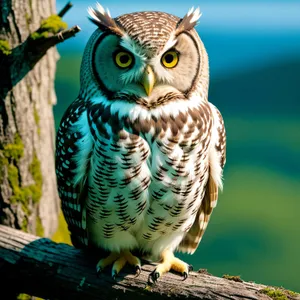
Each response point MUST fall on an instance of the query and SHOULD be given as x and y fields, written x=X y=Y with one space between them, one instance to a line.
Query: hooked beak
x=148 y=80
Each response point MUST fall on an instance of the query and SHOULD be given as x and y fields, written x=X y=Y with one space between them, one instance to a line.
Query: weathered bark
x=28 y=192
x=40 y=267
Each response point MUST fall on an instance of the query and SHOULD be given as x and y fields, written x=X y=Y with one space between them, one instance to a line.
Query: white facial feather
x=134 y=74
x=162 y=73
x=169 y=44
x=135 y=111
x=132 y=46
x=140 y=58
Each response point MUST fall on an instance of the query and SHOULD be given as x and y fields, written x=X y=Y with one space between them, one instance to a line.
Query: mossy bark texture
x=28 y=192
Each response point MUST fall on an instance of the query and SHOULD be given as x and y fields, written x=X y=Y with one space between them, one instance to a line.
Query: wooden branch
x=43 y=44
x=40 y=267
x=22 y=59
x=65 y=9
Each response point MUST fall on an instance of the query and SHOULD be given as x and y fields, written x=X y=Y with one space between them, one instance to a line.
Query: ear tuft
x=103 y=19
x=189 y=21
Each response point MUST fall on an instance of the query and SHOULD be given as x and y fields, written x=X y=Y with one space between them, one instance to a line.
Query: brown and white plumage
x=140 y=153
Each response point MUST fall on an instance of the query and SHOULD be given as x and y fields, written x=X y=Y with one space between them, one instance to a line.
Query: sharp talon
x=137 y=270
x=114 y=276
x=185 y=275
x=98 y=271
x=191 y=268
x=154 y=276
x=149 y=278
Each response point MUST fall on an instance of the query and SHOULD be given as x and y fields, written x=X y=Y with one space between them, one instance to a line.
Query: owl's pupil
x=169 y=58
x=124 y=59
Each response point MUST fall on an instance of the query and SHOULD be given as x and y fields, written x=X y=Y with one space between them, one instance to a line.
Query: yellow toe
x=131 y=259
x=118 y=261
x=169 y=262
x=118 y=266
x=180 y=266
x=107 y=261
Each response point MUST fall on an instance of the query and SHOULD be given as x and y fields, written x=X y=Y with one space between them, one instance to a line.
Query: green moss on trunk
x=27 y=297
x=39 y=227
x=4 y=47
x=28 y=21
x=37 y=120
x=274 y=294
x=3 y=162
x=62 y=235
x=232 y=277
x=278 y=293
x=15 y=150
x=10 y=155
x=33 y=191
x=20 y=194
x=35 y=171
x=24 y=225
x=52 y=25
x=39 y=35
x=24 y=297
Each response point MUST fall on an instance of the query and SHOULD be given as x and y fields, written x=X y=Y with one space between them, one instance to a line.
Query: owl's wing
x=217 y=159
x=71 y=169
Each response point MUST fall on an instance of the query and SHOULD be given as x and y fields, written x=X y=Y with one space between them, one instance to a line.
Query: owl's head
x=147 y=57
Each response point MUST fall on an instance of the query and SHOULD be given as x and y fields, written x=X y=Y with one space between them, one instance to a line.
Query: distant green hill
x=272 y=90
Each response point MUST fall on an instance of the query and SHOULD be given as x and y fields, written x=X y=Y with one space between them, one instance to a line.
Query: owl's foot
x=170 y=262
x=118 y=261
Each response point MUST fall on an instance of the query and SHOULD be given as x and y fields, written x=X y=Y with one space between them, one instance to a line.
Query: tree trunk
x=29 y=199
x=28 y=192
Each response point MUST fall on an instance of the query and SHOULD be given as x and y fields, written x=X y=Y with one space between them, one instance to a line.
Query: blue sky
x=242 y=15
x=238 y=34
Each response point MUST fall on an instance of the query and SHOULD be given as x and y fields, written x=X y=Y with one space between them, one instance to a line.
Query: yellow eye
x=170 y=59
x=123 y=59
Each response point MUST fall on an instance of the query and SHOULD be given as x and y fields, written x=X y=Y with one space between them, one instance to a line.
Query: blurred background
x=254 y=52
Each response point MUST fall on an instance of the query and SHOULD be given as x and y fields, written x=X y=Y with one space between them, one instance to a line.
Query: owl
x=140 y=153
